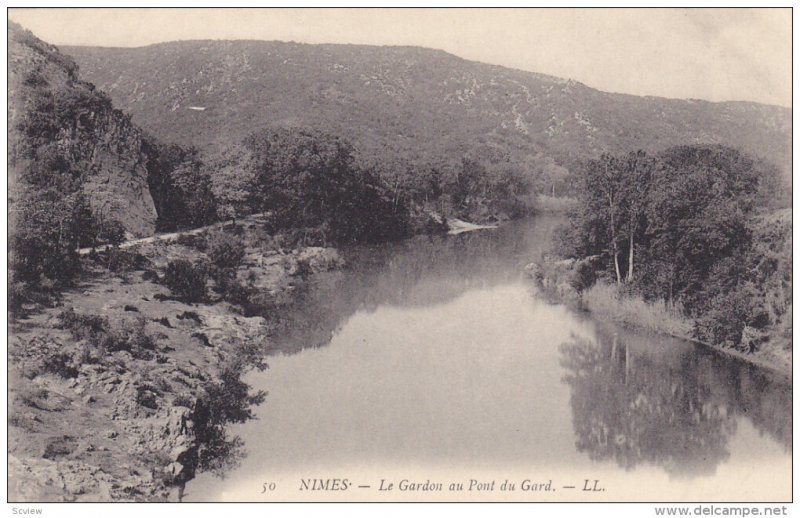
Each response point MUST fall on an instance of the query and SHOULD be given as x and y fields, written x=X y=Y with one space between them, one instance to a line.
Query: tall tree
x=636 y=171
x=603 y=190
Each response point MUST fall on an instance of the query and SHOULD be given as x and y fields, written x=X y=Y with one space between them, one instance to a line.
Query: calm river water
x=435 y=360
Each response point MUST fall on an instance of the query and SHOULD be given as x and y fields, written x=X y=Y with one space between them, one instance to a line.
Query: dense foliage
x=310 y=181
x=50 y=214
x=185 y=280
x=678 y=227
x=180 y=187
x=61 y=132
x=316 y=188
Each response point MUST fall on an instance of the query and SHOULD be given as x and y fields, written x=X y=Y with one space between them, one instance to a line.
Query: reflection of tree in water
x=417 y=272
x=222 y=402
x=628 y=409
x=676 y=410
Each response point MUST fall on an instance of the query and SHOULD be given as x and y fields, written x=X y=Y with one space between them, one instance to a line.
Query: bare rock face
x=59 y=123
x=117 y=187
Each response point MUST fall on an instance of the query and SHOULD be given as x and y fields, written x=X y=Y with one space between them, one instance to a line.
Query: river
x=434 y=359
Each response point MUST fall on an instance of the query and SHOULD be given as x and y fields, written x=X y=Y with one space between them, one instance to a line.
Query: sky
x=713 y=54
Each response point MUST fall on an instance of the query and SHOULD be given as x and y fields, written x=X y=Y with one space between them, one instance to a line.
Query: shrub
x=129 y=336
x=117 y=260
x=164 y=321
x=202 y=338
x=22 y=294
x=150 y=275
x=60 y=364
x=17 y=297
x=59 y=447
x=225 y=250
x=185 y=280
x=136 y=335
x=237 y=293
x=725 y=317
x=184 y=400
x=111 y=231
x=194 y=241
x=82 y=327
x=302 y=268
x=231 y=289
x=191 y=315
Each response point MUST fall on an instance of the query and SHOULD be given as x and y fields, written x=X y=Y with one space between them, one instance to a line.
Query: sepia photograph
x=292 y=255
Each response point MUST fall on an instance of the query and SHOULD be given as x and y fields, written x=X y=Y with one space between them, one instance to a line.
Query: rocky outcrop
x=62 y=126
x=115 y=394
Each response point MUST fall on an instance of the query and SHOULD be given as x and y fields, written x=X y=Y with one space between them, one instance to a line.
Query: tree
x=47 y=227
x=185 y=280
x=699 y=202
x=195 y=195
x=603 y=192
x=181 y=187
x=636 y=175
x=309 y=180
x=233 y=179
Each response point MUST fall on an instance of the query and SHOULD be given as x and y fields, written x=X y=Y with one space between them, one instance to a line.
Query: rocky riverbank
x=121 y=392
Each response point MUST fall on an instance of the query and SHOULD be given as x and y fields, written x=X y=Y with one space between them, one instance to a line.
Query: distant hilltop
x=410 y=102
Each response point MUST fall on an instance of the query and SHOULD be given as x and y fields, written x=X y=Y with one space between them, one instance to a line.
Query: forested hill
x=415 y=103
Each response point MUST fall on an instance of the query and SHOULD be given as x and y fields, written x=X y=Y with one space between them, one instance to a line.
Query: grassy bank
x=569 y=282
x=609 y=303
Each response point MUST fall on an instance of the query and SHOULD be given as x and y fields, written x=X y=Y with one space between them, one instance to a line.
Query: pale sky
x=715 y=54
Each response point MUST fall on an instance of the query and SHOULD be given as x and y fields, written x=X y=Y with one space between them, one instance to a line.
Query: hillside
x=411 y=102
x=65 y=136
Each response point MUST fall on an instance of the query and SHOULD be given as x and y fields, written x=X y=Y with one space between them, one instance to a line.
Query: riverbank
x=118 y=391
x=563 y=281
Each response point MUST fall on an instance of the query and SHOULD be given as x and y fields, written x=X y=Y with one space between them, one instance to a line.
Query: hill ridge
x=409 y=102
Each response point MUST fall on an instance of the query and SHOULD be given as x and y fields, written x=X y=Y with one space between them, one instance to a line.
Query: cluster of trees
x=313 y=186
x=318 y=185
x=678 y=227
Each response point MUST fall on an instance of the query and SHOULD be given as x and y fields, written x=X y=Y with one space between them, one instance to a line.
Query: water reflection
x=418 y=272
x=434 y=356
x=644 y=400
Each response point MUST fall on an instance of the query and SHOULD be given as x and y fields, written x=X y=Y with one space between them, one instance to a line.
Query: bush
x=225 y=250
x=147 y=396
x=82 y=327
x=231 y=289
x=184 y=400
x=117 y=260
x=185 y=280
x=130 y=336
x=725 y=317
x=60 y=364
x=164 y=321
x=191 y=315
x=111 y=231
x=136 y=336
x=17 y=297
x=194 y=241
